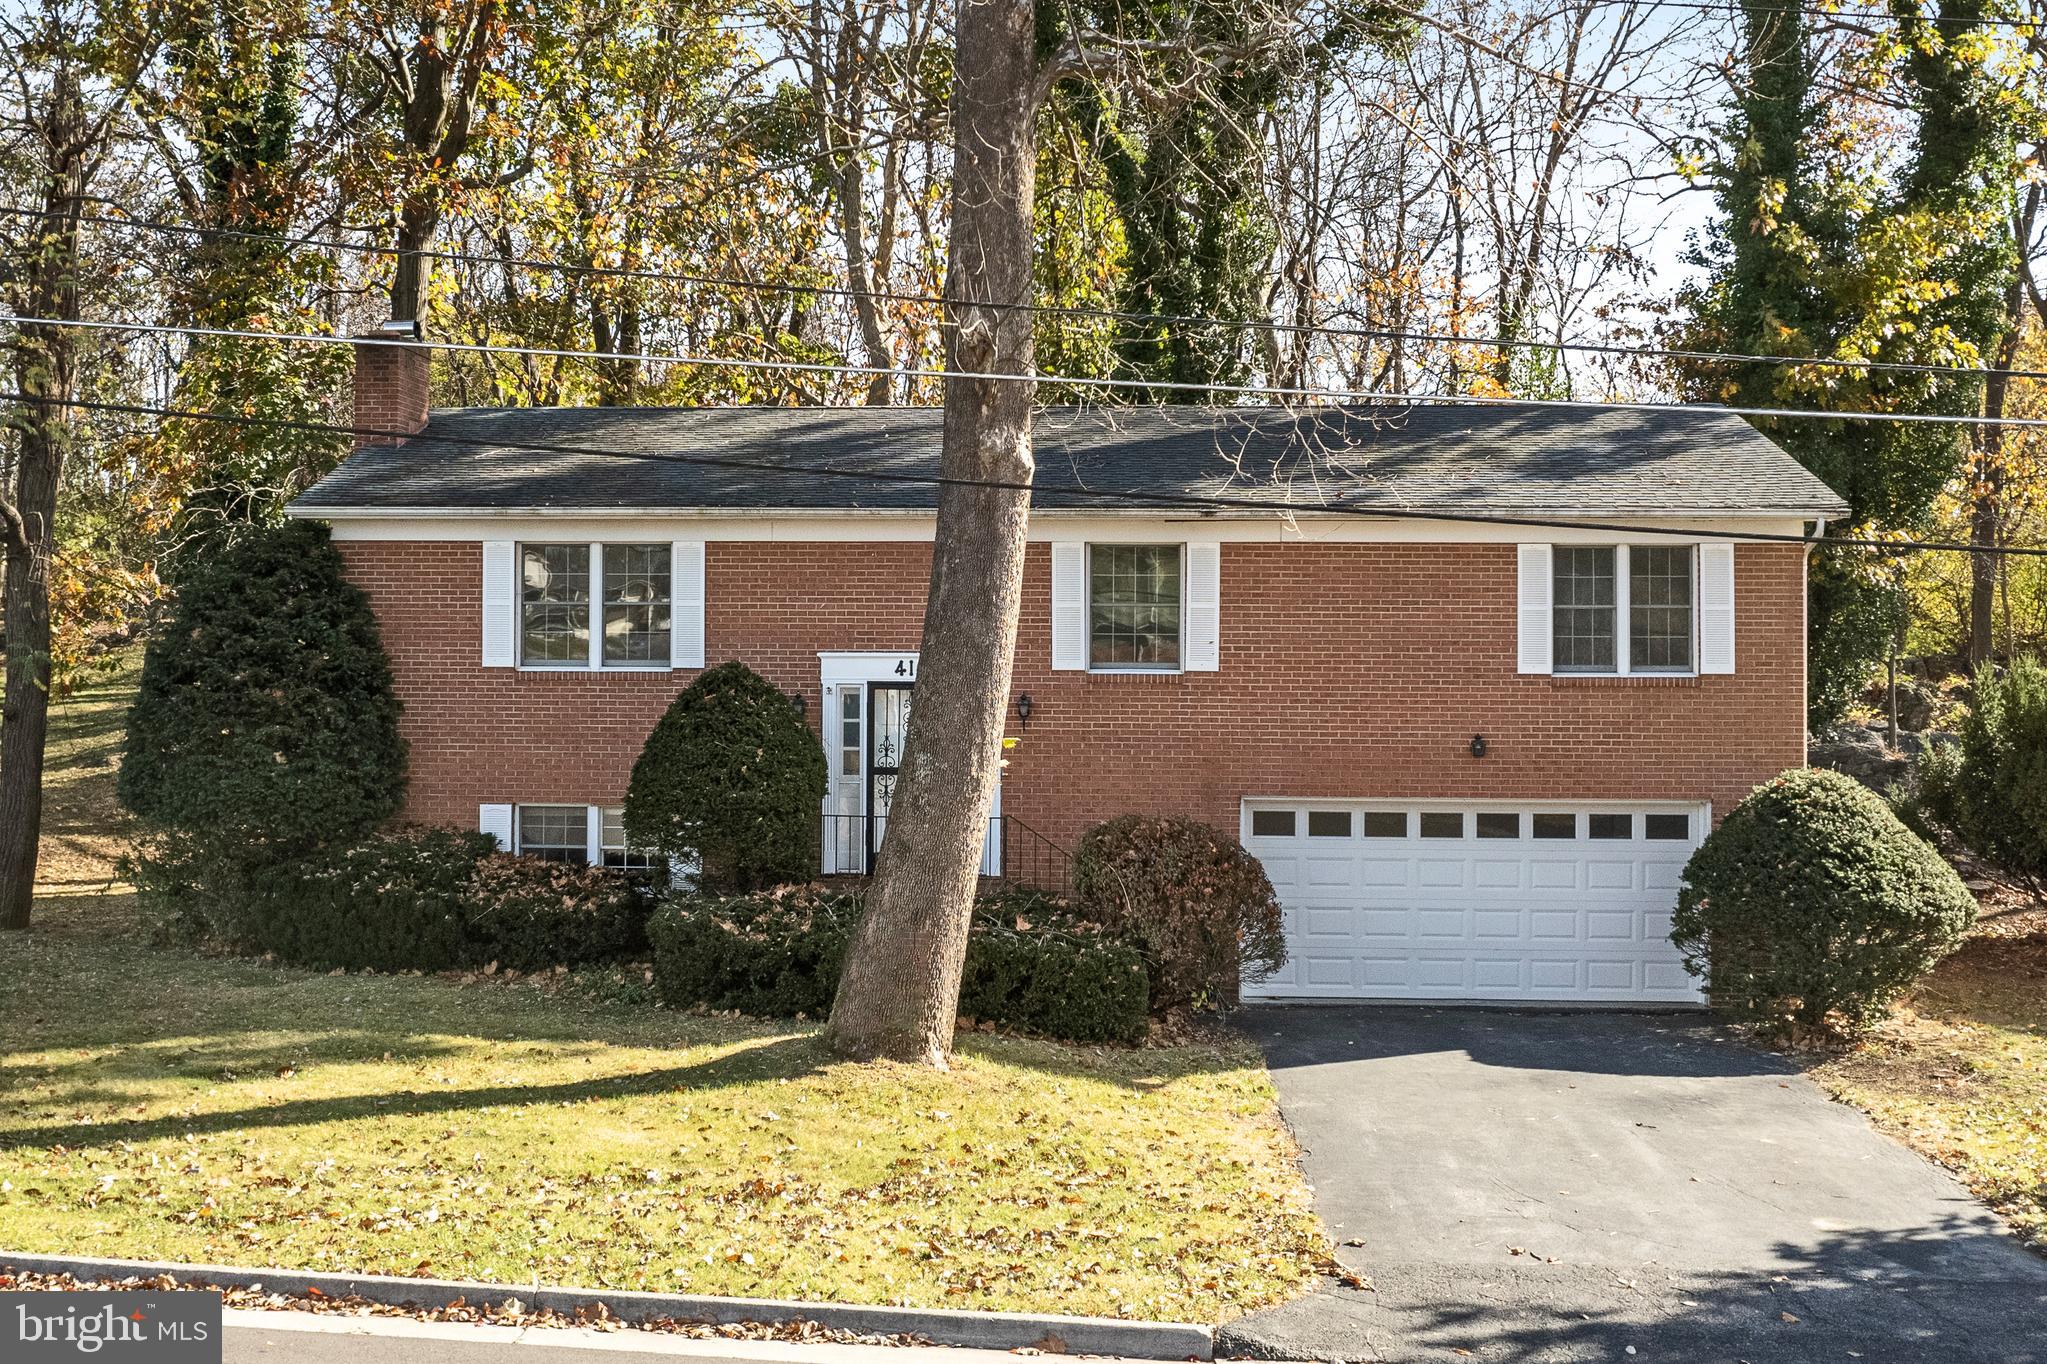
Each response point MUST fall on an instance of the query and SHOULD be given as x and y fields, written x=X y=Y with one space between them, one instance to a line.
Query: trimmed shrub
x=1029 y=964
x=399 y=901
x=529 y=915
x=732 y=777
x=1995 y=798
x=1200 y=906
x=429 y=900
x=266 y=722
x=1812 y=908
x=775 y=955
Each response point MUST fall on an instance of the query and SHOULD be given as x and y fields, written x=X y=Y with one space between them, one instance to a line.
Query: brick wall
x=391 y=390
x=1347 y=670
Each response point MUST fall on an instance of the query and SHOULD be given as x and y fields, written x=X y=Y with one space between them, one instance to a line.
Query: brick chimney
x=391 y=382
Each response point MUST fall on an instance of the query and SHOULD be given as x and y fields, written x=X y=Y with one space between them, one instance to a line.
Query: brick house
x=1473 y=754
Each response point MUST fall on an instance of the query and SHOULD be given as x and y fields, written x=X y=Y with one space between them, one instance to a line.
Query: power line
x=1330 y=395
x=1822 y=12
x=1047 y=309
x=1196 y=501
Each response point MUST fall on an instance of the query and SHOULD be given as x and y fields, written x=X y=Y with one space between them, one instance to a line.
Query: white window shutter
x=1069 y=605
x=1203 y=649
x=500 y=604
x=496 y=820
x=686 y=607
x=1534 y=595
x=1716 y=608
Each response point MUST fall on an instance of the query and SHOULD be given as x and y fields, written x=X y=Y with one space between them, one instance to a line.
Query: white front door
x=1470 y=900
x=867 y=703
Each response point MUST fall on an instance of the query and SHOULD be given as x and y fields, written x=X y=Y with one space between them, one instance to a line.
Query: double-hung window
x=1624 y=609
x=625 y=589
x=618 y=854
x=577 y=835
x=1135 y=607
x=554 y=833
x=554 y=606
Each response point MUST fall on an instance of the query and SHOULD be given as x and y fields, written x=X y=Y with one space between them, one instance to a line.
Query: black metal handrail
x=1014 y=853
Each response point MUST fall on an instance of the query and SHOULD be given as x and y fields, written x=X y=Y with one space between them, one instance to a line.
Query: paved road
x=1567 y=1186
x=258 y=1337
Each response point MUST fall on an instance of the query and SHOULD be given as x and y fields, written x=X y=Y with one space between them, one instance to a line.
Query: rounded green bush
x=266 y=721
x=1996 y=796
x=732 y=777
x=1812 y=908
x=1200 y=906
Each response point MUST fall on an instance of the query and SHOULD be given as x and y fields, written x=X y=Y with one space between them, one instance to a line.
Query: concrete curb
x=976 y=1330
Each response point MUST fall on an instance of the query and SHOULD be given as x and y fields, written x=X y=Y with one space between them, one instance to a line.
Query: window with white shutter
x=687 y=639
x=1623 y=610
x=496 y=820
x=500 y=605
x=1069 y=606
x=1534 y=594
x=1204 y=607
x=1716 y=608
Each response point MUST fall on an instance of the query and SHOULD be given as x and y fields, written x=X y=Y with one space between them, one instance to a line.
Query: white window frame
x=1623 y=624
x=1087 y=609
x=594 y=845
x=594 y=659
x=591 y=824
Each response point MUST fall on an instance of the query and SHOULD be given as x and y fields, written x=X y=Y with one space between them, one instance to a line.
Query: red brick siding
x=1347 y=670
x=390 y=390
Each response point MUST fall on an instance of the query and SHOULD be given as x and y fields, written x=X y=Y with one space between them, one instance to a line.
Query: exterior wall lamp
x=1023 y=710
x=1478 y=745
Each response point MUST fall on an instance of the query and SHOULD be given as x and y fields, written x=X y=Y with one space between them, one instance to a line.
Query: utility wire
x=1044 y=309
x=1331 y=395
x=1146 y=497
x=1822 y=12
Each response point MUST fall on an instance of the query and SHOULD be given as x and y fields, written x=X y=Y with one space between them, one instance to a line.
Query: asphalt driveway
x=1630 y=1187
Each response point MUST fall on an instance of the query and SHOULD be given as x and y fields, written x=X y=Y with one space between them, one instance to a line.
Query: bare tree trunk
x=1987 y=502
x=899 y=996
x=46 y=367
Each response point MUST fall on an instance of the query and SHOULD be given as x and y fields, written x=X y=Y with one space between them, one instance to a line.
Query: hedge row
x=433 y=900
x=1030 y=963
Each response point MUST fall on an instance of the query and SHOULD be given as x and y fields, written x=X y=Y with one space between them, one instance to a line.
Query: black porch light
x=1023 y=709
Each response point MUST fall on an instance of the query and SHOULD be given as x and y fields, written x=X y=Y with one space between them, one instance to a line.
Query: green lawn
x=162 y=1104
x=1961 y=1072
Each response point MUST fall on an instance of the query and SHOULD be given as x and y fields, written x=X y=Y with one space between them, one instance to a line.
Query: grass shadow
x=784 y=1058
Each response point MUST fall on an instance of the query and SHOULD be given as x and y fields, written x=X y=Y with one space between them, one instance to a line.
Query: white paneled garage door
x=1439 y=900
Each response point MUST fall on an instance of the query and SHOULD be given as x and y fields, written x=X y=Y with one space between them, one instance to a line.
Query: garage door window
x=1611 y=826
x=1329 y=824
x=1272 y=823
x=1499 y=824
x=1667 y=826
x=1555 y=826
x=1385 y=824
x=1442 y=824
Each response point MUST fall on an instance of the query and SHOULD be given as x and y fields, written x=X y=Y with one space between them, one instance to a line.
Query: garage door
x=1433 y=900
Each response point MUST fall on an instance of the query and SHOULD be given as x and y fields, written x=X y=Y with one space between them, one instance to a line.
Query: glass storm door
x=888 y=719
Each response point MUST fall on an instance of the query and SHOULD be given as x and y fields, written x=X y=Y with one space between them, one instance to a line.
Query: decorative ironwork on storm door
x=888 y=720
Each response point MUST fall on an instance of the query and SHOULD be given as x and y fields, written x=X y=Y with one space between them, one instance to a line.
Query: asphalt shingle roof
x=1502 y=459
